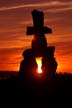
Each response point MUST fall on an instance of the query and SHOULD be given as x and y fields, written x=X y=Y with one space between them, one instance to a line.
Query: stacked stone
x=28 y=66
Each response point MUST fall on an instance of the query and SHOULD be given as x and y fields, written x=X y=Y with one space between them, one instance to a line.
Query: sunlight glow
x=39 y=63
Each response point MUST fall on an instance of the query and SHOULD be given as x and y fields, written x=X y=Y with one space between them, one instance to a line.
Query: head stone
x=38 y=18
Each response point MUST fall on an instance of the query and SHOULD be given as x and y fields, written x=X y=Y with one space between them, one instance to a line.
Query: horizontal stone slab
x=47 y=52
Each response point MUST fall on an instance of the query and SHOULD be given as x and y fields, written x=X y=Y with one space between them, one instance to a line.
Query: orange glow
x=39 y=63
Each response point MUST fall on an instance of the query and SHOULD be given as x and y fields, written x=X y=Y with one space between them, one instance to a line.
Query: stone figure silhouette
x=39 y=48
x=27 y=66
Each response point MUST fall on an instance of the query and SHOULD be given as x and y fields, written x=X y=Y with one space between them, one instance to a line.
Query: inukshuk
x=28 y=66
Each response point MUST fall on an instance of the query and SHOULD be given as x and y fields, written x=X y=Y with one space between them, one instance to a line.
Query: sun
x=39 y=63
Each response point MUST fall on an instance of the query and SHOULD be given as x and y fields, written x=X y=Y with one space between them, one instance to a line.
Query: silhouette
x=49 y=64
x=28 y=66
x=25 y=87
x=39 y=41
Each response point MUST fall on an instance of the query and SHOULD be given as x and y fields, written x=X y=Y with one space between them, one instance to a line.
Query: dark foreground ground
x=59 y=88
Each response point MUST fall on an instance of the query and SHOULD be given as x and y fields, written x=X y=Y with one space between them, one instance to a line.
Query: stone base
x=28 y=66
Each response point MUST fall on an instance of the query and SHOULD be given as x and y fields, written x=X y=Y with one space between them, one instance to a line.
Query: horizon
x=15 y=16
